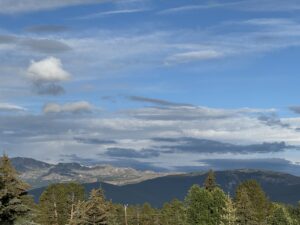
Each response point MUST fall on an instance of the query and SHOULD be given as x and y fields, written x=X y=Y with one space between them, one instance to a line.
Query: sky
x=152 y=84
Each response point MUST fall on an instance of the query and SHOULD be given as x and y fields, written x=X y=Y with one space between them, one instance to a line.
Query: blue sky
x=100 y=81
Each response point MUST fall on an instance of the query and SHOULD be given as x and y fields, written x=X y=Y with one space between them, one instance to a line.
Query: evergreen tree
x=173 y=213
x=280 y=216
x=148 y=215
x=31 y=217
x=11 y=191
x=294 y=212
x=116 y=214
x=204 y=207
x=229 y=212
x=251 y=200
x=210 y=181
x=96 y=209
x=57 y=203
x=79 y=214
x=245 y=209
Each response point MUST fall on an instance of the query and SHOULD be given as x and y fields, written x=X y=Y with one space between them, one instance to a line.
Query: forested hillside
x=205 y=204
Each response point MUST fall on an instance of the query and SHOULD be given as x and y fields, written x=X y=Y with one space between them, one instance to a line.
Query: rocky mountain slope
x=39 y=174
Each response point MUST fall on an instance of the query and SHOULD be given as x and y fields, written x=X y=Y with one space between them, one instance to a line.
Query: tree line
x=66 y=204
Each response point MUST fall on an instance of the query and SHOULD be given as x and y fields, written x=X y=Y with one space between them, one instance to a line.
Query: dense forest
x=66 y=204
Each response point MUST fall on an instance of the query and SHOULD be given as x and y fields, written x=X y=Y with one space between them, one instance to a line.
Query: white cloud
x=74 y=107
x=47 y=70
x=17 y=6
x=11 y=107
x=113 y=12
x=246 y=5
x=193 y=56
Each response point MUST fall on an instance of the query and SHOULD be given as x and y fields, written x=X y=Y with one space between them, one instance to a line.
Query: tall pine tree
x=258 y=204
x=11 y=191
x=58 y=201
x=204 y=207
x=95 y=211
x=210 y=181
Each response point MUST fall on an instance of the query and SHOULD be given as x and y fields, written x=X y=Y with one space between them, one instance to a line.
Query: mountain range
x=279 y=187
x=129 y=186
x=40 y=174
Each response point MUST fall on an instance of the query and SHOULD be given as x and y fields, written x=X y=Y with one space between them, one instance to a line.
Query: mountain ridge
x=39 y=174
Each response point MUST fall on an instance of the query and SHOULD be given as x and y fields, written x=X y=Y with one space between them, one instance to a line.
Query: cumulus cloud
x=74 y=107
x=46 y=76
x=47 y=70
x=11 y=107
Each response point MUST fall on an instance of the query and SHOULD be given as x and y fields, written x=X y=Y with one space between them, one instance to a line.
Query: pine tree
x=280 y=216
x=96 y=209
x=79 y=214
x=258 y=204
x=148 y=215
x=116 y=213
x=245 y=209
x=204 y=207
x=31 y=217
x=173 y=213
x=210 y=181
x=11 y=191
x=229 y=212
x=57 y=203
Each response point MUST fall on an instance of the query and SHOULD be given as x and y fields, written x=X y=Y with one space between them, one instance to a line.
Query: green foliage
x=148 y=215
x=64 y=204
x=57 y=202
x=245 y=209
x=204 y=207
x=229 y=216
x=280 y=216
x=11 y=191
x=294 y=212
x=210 y=181
x=173 y=213
x=252 y=204
x=95 y=211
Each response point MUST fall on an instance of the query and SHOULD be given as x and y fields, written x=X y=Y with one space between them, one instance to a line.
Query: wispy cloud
x=19 y=6
x=186 y=57
x=243 y=5
x=155 y=101
x=73 y=107
x=11 y=107
x=295 y=109
x=47 y=28
x=198 y=7
x=113 y=12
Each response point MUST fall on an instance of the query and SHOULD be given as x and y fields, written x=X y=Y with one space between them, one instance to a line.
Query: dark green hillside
x=278 y=186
